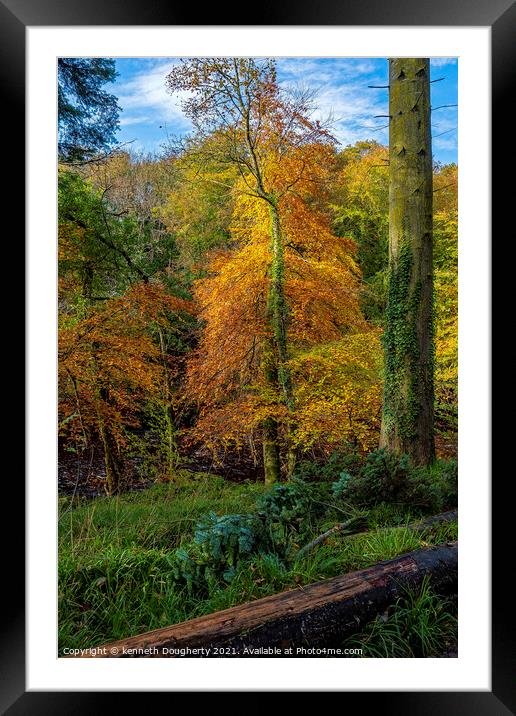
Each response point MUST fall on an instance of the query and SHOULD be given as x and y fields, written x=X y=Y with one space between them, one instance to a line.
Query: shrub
x=220 y=545
x=285 y=504
x=226 y=540
x=330 y=469
x=340 y=486
x=447 y=482
x=387 y=478
x=383 y=478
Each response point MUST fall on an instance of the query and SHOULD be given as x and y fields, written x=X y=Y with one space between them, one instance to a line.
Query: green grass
x=158 y=518
x=420 y=624
x=115 y=557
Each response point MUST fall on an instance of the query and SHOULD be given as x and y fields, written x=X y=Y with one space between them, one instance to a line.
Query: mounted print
x=258 y=357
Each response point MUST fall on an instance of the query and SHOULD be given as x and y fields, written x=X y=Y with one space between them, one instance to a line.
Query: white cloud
x=442 y=61
x=146 y=93
x=128 y=120
x=342 y=93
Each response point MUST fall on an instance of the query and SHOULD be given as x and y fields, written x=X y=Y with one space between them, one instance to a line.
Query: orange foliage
x=109 y=363
x=321 y=288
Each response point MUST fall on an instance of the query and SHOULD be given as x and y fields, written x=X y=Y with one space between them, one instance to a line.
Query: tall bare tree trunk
x=408 y=410
x=113 y=472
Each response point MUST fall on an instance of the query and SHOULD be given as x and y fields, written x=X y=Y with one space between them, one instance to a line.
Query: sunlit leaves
x=339 y=392
x=321 y=288
x=109 y=363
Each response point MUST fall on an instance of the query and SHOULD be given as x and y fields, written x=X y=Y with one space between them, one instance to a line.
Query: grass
x=161 y=517
x=115 y=566
x=420 y=624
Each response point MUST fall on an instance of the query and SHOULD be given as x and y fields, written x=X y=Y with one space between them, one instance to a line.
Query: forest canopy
x=228 y=296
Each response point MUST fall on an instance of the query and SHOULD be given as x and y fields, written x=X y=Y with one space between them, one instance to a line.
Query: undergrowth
x=420 y=624
x=144 y=560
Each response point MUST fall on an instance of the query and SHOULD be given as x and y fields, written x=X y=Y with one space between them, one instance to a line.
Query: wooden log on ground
x=319 y=615
x=430 y=522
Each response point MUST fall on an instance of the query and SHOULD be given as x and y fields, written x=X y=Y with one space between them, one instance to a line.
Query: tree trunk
x=271 y=454
x=169 y=437
x=408 y=410
x=319 y=615
x=279 y=316
x=111 y=461
x=113 y=470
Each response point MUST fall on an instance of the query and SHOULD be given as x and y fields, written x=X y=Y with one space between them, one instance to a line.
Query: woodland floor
x=113 y=556
x=85 y=475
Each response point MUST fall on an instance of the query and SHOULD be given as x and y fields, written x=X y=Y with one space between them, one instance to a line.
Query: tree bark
x=113 y=471
x=408 y=409
x=279 y=317
x=111 y=461
x=271 y=453
x=171 y=446
x=319 y=615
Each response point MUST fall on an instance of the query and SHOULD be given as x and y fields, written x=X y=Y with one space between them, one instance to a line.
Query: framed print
x=247 y=343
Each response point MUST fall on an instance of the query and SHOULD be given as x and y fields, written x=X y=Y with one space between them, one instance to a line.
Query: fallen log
x=430 y=522
x=319 y=615
x=419 y=526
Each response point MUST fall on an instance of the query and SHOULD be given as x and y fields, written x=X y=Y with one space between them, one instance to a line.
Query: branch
x=324 y=536
x=418 y=526
x=441 y=106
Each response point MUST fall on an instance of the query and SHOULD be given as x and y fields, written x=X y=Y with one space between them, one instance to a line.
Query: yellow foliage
x=321 y=288
x=339 y=392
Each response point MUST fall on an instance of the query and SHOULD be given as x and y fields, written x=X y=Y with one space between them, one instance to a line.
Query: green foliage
x=401 y=349
x=371 y=235
x=286 y=504
x=387 y=478
x=383 y=478
x=117 y=592
x=162 y=517
x=103 y=251
x=420 y=624
x=226 y=540
x=131 y=563
x=87 y=114
x=442 y=479
x=329 y=468
x=340 y=486
x=154 y=453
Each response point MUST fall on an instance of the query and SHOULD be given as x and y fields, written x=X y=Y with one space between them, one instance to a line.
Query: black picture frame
x=500 y=15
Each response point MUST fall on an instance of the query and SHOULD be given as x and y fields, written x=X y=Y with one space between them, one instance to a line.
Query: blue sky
x=150 y=113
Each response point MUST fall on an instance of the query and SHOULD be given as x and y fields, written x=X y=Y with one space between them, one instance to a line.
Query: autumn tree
x=121 y=330
x=445 y=234
x=408 y=409
x=110 y=365
x=228 y=372
x=359 y=200
x=258 y=132
x=198 y=210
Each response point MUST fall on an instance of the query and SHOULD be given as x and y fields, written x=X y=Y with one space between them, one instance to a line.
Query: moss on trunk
x=408 y=410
